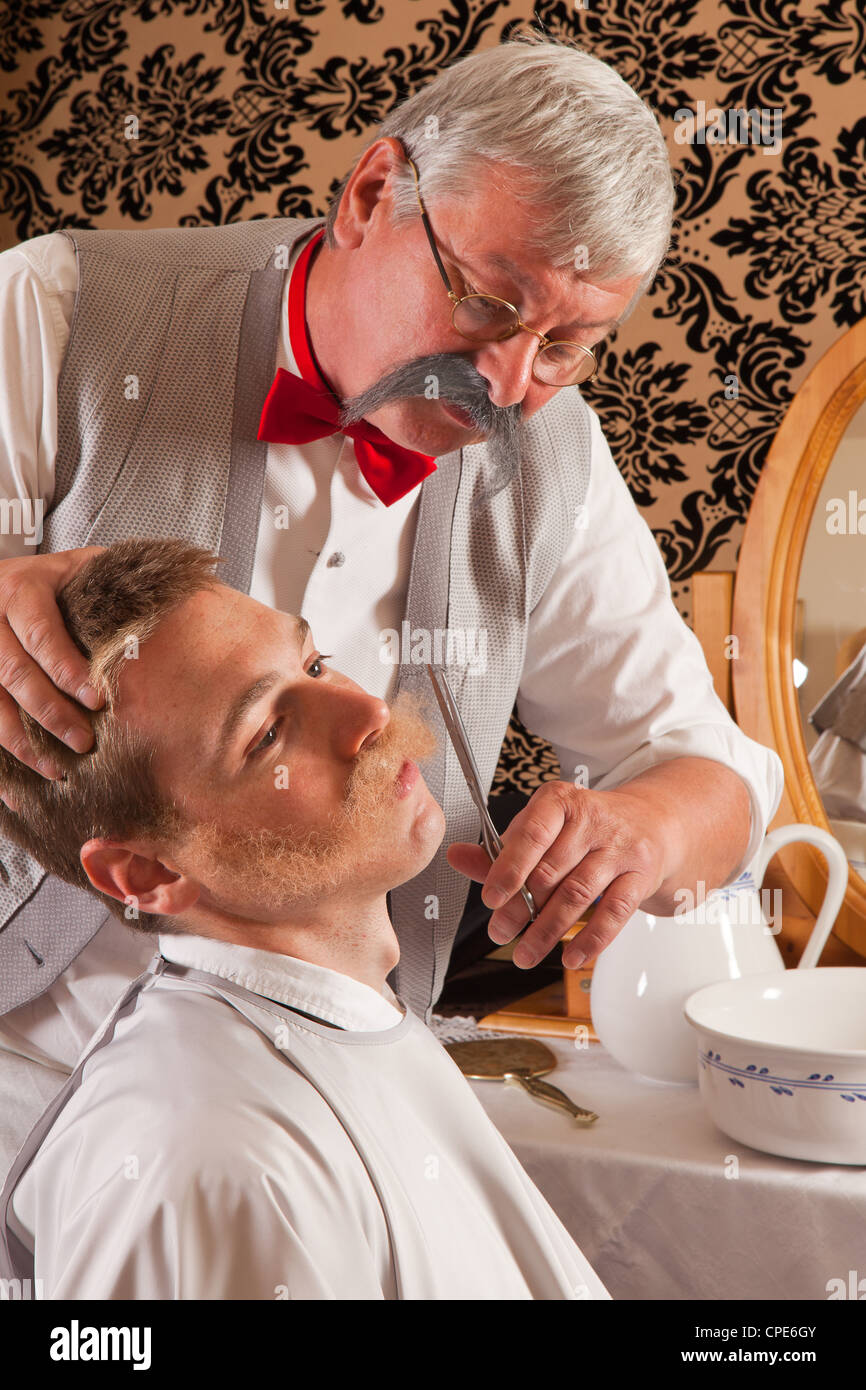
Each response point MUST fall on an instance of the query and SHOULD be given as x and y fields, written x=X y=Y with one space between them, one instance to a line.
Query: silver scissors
x=457 y=733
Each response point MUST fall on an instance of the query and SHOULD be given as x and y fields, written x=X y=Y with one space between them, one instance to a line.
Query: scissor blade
x=457 y=733
x=462 y=747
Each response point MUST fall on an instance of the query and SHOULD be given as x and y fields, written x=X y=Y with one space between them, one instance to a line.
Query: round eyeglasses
x=485 y=318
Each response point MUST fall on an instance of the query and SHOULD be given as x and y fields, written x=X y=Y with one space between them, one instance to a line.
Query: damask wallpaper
x=211 y=111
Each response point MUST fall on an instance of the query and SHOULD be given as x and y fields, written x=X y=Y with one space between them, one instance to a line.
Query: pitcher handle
x=837 y=882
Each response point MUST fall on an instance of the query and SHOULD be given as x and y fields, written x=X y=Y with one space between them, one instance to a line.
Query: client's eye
x=266 y=741
x=269 y=738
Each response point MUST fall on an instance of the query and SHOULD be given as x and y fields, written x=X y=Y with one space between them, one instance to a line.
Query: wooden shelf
x=540 y=1014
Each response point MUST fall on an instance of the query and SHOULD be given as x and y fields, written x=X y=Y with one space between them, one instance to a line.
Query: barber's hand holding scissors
x=569 y=845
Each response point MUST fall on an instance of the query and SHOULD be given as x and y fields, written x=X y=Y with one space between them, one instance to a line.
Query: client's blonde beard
x=272 y=867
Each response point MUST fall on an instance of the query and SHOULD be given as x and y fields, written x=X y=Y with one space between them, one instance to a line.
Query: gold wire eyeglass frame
x=457 y=300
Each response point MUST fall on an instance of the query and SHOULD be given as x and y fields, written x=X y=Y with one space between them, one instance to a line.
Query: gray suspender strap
x=427 y=608
x=16 y=1261
x=257 y=352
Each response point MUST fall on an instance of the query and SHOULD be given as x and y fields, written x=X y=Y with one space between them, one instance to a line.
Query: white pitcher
x=641 y=981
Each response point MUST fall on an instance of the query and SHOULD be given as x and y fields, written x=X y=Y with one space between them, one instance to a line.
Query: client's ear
x=116 y=868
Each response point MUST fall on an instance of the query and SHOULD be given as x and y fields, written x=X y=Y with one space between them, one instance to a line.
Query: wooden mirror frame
x=765 y=596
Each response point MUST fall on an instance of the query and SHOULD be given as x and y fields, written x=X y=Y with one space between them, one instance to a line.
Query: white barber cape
x=246 y=1125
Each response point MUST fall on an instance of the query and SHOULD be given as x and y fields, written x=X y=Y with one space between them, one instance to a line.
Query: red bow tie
x=299 y=409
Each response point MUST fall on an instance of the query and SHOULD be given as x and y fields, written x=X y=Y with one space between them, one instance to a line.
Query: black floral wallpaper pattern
x=211 y=111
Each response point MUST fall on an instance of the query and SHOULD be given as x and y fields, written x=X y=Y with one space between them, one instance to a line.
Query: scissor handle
x=493 y=846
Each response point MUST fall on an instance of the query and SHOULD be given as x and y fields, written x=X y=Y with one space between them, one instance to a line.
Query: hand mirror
x=518 y=1062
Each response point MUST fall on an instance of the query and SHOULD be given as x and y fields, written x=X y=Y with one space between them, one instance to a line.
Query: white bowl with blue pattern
x=782 y=1061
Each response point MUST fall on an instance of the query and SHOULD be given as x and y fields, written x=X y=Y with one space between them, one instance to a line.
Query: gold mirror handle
x=550 y=1095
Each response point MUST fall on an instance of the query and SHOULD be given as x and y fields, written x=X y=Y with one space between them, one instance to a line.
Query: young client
x=260 y=1117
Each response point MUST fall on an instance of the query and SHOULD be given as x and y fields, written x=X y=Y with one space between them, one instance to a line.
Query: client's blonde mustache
x=299 y=864
x=407 y=735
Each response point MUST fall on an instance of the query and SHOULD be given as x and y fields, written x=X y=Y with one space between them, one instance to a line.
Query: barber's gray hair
x=592 y=158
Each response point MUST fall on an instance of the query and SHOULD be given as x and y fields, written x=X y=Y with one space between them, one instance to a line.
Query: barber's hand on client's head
x=40 y=665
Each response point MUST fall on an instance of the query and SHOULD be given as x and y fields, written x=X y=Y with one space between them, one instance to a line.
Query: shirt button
x=338 y=558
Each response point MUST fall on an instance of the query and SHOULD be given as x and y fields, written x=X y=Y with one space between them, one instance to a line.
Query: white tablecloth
x=644 y=1191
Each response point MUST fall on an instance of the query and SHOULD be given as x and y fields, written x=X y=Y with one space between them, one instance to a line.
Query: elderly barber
x=380 y=424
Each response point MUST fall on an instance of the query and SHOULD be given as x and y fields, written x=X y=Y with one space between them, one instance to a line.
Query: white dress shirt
x=221 y=1149
x=612 y=677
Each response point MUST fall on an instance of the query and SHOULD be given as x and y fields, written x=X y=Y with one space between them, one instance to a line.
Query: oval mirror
x=799 y=617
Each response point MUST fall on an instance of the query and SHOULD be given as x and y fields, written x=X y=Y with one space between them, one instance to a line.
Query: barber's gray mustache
x=456 y=380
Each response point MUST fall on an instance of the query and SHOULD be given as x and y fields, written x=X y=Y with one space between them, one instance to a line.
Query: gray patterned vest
x=193 y=315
